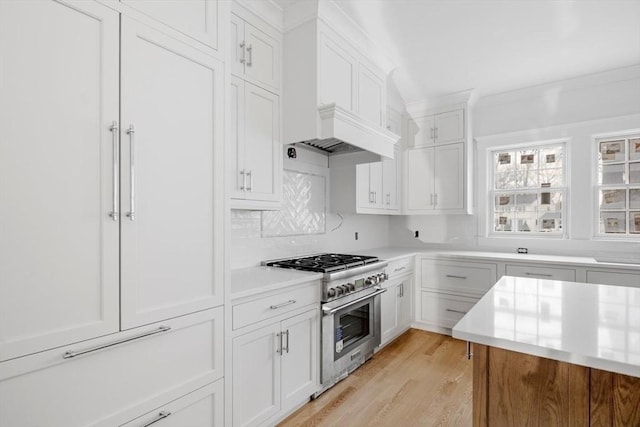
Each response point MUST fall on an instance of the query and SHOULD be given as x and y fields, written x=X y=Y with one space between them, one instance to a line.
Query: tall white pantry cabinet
x=111 y=221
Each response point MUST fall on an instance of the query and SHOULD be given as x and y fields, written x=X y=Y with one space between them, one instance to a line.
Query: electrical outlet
x=417 y=234
x=356 y=236
x=523 y=250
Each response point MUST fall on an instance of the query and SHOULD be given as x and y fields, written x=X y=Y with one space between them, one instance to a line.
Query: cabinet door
x=375 y=185
x=389 y=312
x=364 y=195
x=420 y=179
x=449 y=177
x=391 y=181
x=197 y=19
x=449 y=127
x=371 y=96
x=237 y=51
x=337 y=75
x=59 y=247
x=405 y=315
x=235 y=142
x=299 y=359
x=421 y=131
x=262 y=63
x=256 y=376
x=202 y=407
x=262 y=148
x=172 y=96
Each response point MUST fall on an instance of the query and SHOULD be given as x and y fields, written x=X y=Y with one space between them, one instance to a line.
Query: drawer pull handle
x=456 y=311
x=284 y=304
x=161 y=416
x=469 y=353
x=456 y=277
x=399 y=269
x=71 y=354
x=539 y=274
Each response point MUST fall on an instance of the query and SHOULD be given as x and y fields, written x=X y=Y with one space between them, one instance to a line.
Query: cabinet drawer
x=444 y=310
x=116 y=382
x=614 y=278
x=458 y=276
x=274 y=305
x=202 y=407
x=541 y=272
x=400 y=266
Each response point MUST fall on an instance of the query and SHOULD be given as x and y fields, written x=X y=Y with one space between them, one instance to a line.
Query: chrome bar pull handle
x=250 y=51
x=284 y=304
x=469 y=353
x=132 y=178
x=451 y=310
x=250 y=176
x=279 y=348
x=243 y=186
x=287 y=334
x=114 y=214
x=161 y=416
x=538 y=274
x=72 y=354
x=453 y=276
x=242 y=58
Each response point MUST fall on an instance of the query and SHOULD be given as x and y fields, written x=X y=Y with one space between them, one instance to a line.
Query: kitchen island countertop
x=592 y=325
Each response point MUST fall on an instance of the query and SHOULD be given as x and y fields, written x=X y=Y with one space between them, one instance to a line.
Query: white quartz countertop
x=390 y=253
x=255 y=280
x=597 y=326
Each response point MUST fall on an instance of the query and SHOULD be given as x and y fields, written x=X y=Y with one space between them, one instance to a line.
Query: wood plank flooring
x=420 y=379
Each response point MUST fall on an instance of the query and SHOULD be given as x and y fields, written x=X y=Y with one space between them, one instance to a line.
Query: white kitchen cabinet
x=378 y=186
x=202 y=407
x=255 y=52
x=541 y=272
x=396 y=307
x=111 y=380
x=255 y=151
x=613 y=277
x=59 y=247
x=435 y=179
x=168 y=243
x=275 y=368
x=441 y=128
x=197 y=19
x=371 y=95
x=443 y=311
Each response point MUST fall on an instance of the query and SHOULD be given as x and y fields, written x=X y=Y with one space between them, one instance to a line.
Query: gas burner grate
x=324 y=263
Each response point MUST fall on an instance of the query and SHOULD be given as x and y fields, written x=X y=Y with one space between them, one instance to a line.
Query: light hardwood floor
x=420 y=379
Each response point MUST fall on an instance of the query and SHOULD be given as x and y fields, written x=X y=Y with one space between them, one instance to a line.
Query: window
x=528 y=190
x=618 y=186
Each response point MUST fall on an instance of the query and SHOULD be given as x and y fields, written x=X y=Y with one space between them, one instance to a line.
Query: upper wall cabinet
x=255 y=52
x=197 y=19
x=442 y=128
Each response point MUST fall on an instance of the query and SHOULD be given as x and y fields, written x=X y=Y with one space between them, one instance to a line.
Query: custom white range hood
x=335 y=91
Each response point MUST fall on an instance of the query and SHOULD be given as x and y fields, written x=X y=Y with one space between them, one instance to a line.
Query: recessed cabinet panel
x=614 y=278
x=168 y=243
x=195 y=18
x=370 y=96
x=420 y=179
x=237 y=45
x=422 y=131
x=58 y=244
x=337 y=75
x=449 y=127
x=263 y=57
x=449 y=177
x=300 y=358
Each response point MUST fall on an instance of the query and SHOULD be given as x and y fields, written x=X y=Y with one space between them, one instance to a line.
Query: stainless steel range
x=350 y=309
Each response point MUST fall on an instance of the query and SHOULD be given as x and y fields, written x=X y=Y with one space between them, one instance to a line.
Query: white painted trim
x=266 y=10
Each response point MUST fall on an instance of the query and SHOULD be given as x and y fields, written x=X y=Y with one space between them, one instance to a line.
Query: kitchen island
x=551 y=352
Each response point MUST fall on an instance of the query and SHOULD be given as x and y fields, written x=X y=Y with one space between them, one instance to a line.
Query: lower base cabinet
x=396 y=303
x=275 y=368
x=516 y=389
x=202 y=407
x=114 y=380
x=443 y=310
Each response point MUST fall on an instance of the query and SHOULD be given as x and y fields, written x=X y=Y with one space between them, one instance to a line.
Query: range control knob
x=331 y=292
x=351 y=287
x=371 y=280
x=345 y=289
x=382 y=277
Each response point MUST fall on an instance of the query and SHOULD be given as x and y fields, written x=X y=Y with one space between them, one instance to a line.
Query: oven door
x=350 y=333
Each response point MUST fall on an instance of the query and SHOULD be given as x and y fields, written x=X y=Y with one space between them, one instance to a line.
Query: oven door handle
x=328 y=311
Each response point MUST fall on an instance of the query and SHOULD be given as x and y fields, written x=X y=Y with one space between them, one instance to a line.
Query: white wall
x=576 y=109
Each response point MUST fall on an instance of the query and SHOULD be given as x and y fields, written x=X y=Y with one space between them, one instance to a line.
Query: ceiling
x=442 y=47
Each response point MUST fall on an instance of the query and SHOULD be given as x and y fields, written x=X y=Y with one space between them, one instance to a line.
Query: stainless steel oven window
x=352 y=325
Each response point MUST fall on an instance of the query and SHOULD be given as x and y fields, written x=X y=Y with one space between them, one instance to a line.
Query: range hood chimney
x=334 y=93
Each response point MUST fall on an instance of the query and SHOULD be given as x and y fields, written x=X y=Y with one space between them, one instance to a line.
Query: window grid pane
x=618 y=186
x=528 y=190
